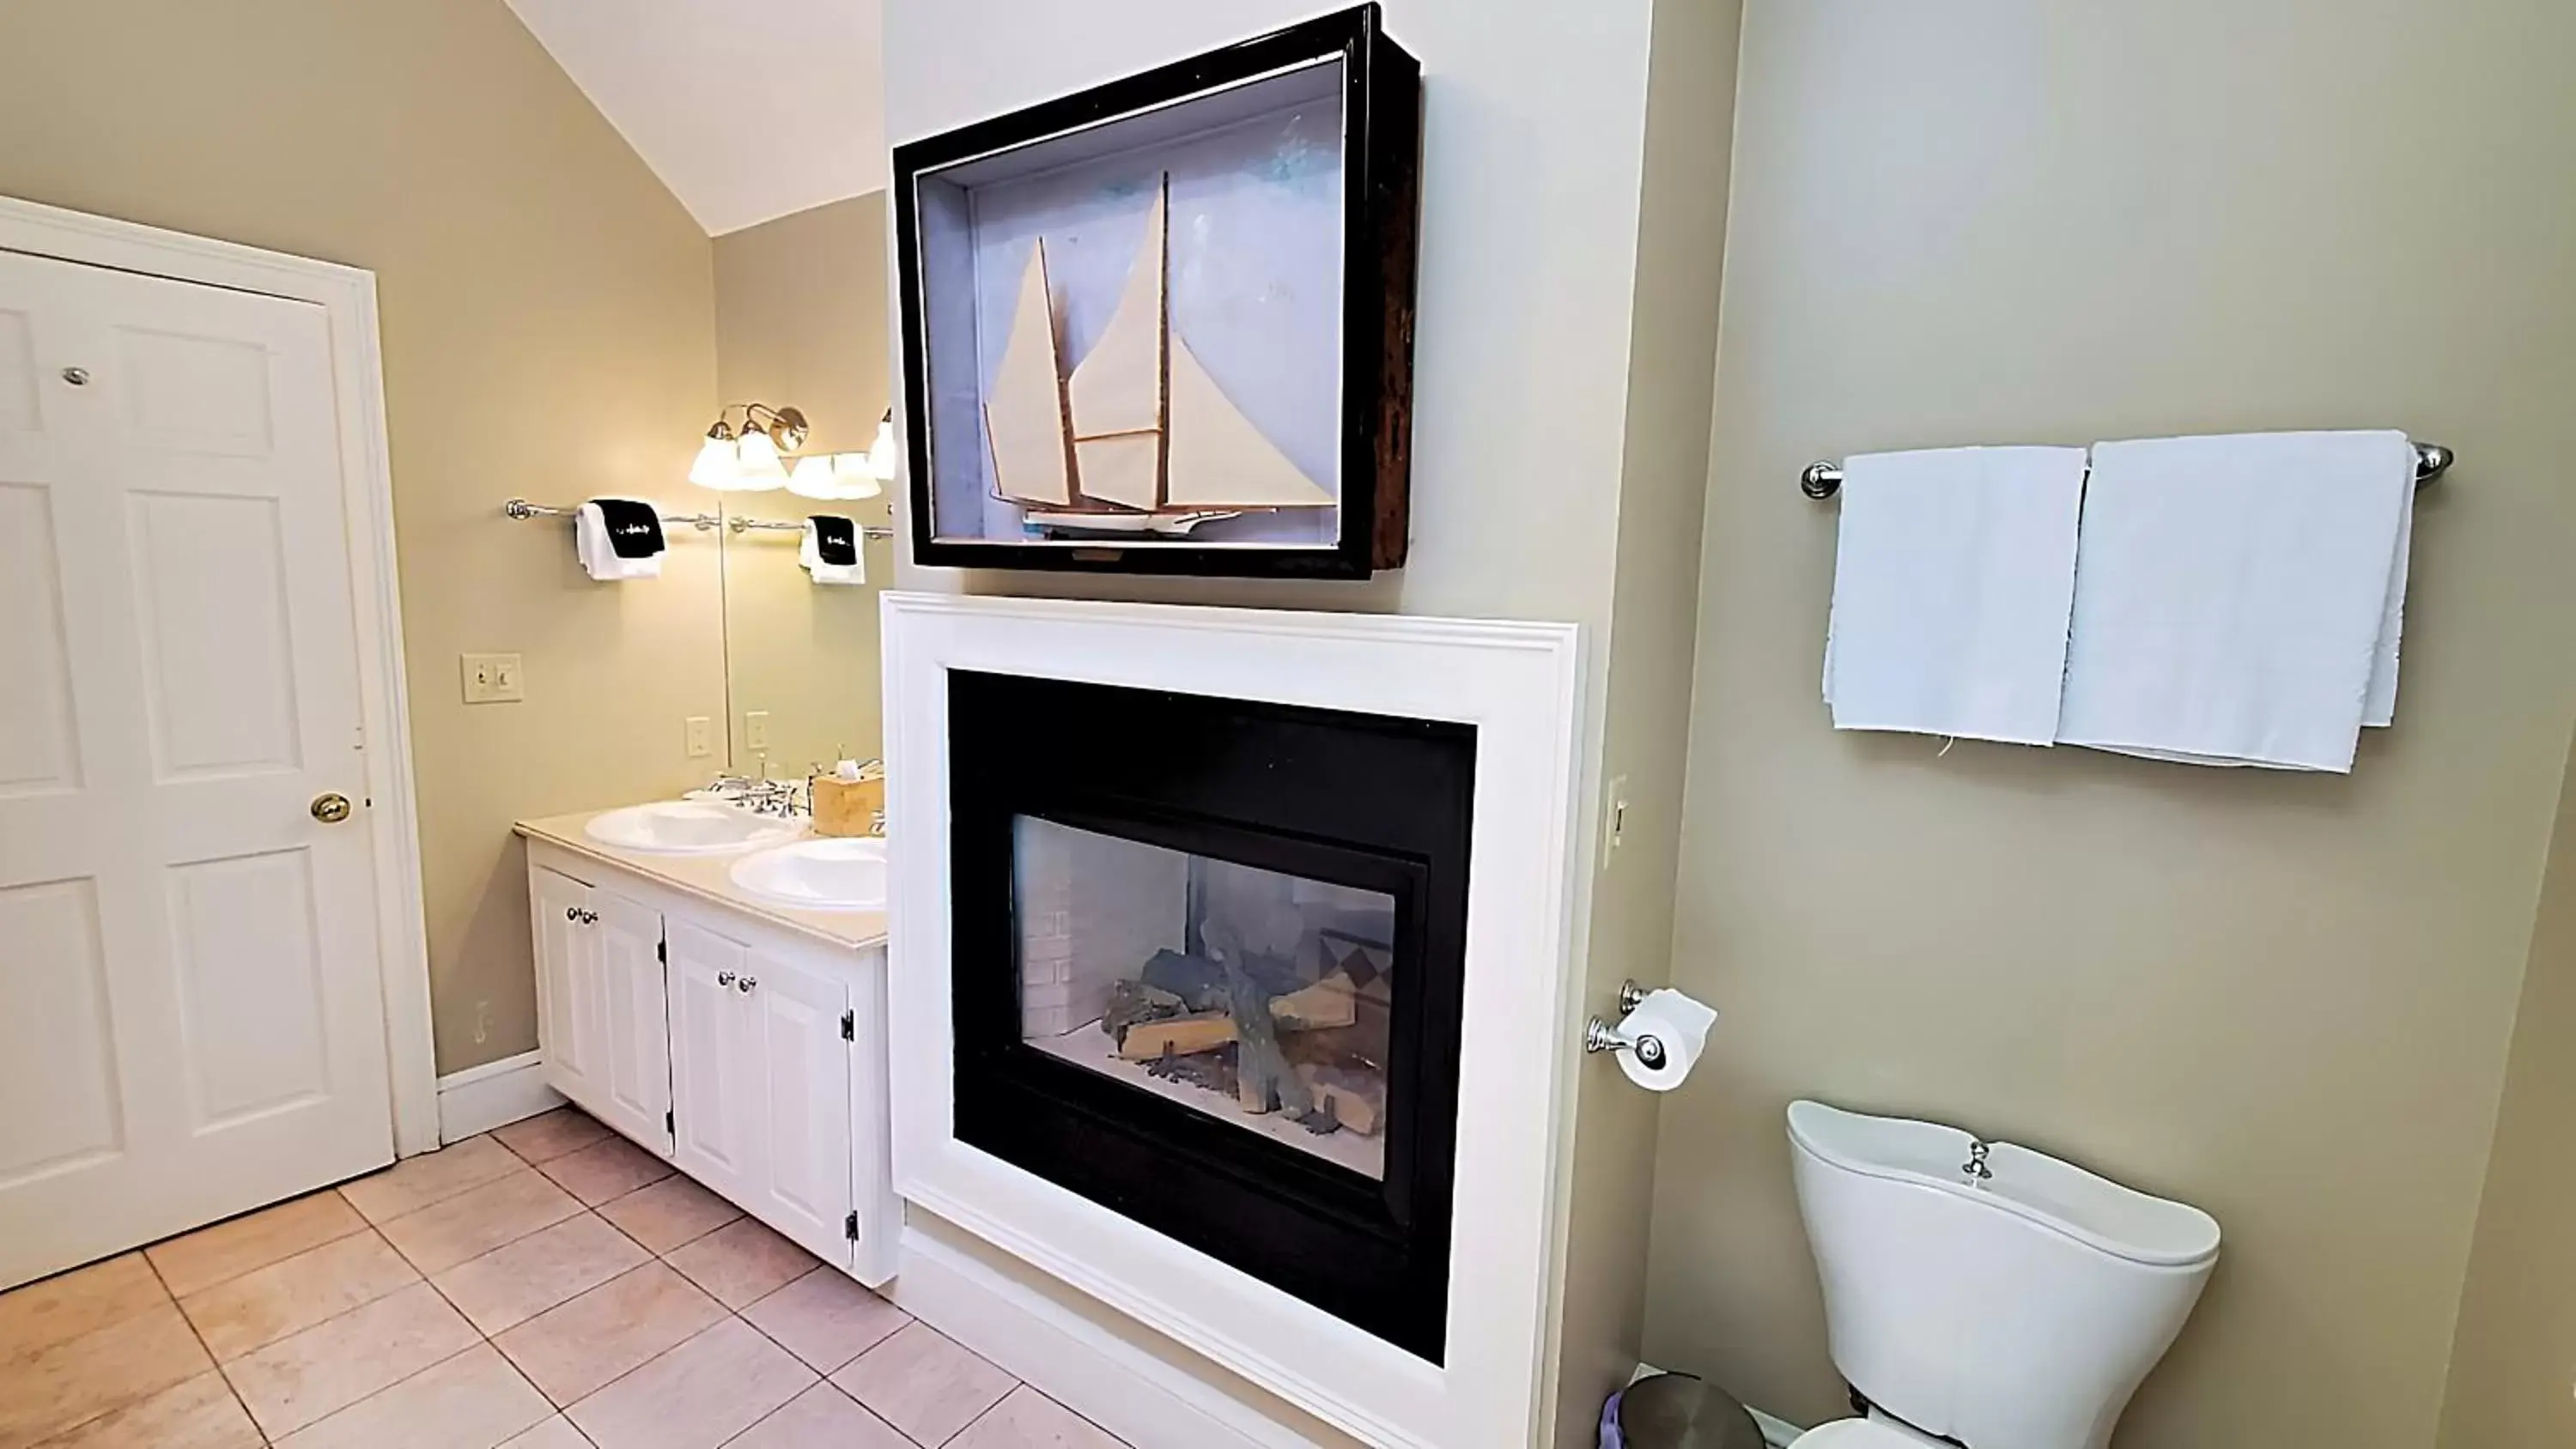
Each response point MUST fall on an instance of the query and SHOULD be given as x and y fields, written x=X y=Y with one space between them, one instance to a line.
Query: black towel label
x=836 y=539
x=634 y=529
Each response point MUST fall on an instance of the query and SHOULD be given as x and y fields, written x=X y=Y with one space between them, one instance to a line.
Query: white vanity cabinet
x=749 y=1052
x=600 y=1004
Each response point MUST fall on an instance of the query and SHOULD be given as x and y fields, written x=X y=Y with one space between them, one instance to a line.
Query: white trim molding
x=347 y=296
x=494 y=1094
x=1519 y=685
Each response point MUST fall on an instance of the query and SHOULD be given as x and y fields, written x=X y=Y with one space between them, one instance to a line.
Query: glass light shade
x=756 y=458
x=881 y=454
x=834 y=477
x=716 y=467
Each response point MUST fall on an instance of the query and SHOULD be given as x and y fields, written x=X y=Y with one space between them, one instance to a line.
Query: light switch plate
x=702 y=736
x=755 y=729
x=493 y=679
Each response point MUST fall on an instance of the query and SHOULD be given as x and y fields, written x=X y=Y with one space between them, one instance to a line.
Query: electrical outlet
x=1614 y=820
x=702 y=736
x=755 y=729
x=493 y=679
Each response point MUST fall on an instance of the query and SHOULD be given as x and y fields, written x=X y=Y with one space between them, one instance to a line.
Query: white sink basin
x=823 y=874
x=689 y=827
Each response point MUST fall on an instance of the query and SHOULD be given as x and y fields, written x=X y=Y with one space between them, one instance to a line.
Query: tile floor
x=546 y=1286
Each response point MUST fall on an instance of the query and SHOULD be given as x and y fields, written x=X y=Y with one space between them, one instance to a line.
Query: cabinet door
x=634 y=1019
x=803 y=1184
x=571 y=1010
x=713 y=1066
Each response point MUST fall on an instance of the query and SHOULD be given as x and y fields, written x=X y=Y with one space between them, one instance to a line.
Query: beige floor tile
x=198 y=1413
x=826 y=1318
x=472 y=1401
x=551 y=1134
x=416 y=1182
x=476 y=1221
x=670 y=1212
x=516 y=1282
x=822 y=1417
x=697 y=1395
x=73 y=1382
x=308 y=1376
x=554 y=1433
x=267 y=1304
x=923 y=1384
x=573 y=1348
x=67 y=1305
x=742 y=1263
x=1028 y=1419
x=605 y=1170
x=208 y=1256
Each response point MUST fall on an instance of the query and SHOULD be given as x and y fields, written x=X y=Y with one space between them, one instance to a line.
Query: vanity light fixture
x=835 y=477
x=746 y=458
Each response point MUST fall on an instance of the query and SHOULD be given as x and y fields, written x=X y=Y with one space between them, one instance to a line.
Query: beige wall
x=1539 y=292
x=549 y=330
x=2516 y=1348
x=801 y=322
x=2284 y=998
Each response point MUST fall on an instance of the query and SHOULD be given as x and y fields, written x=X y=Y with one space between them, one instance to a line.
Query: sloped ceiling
x=747 y=109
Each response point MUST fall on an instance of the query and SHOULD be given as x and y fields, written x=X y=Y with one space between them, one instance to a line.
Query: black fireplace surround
x=1372 y=807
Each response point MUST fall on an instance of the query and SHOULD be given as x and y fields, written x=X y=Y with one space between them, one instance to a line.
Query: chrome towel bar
x=1823 y=480
x=522 y=509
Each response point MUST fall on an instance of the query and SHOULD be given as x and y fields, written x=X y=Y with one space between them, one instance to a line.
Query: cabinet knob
x=724 y=978
x=573 y=914
x=746 y=983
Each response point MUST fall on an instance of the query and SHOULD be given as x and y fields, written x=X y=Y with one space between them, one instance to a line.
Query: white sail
x=1024 y=413
x=1218 y=458
x=1116 y=394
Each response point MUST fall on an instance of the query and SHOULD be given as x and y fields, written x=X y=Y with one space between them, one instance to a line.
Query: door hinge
x=671 y=1121
x=849 y=1026
x=662 y=952
x=850 y=1227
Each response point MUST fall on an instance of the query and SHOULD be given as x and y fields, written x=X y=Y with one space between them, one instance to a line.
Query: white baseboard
x=494 y=1094
x=1777 y=1433
x=1132 y=1392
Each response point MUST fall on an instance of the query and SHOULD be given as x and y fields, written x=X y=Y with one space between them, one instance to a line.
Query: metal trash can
x=1676 y=1411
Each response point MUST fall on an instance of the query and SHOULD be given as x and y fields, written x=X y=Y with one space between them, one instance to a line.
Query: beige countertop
x=706 y=877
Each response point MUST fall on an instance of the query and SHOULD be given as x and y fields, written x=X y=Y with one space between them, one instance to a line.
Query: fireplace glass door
x=1257 y=997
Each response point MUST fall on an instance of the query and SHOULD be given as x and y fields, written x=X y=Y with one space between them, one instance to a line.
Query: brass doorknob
x=331 y=808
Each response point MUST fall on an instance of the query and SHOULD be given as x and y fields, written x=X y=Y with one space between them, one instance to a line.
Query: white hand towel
x=598 y=552
x=2238 y=598
x=809 y=552
x=1953 y=575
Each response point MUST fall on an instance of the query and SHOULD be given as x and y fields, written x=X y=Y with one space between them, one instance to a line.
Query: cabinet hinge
x=849 y=1026
x=662 y=952
x=850 y=1227
x=670 y=1120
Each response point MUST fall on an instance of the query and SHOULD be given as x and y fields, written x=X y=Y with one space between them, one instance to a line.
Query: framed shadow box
x=1165 y=325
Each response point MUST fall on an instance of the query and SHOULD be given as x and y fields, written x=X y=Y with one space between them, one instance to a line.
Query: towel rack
x=740 y=524
x=1823 y=480
x=522 y=509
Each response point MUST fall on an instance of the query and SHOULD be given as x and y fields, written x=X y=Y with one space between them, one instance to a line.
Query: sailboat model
x=1139 y=438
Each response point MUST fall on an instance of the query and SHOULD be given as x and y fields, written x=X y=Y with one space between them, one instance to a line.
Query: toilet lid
x=1857 y=1434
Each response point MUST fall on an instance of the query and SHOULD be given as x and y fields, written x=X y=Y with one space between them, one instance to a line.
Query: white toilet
x=1981 y=1293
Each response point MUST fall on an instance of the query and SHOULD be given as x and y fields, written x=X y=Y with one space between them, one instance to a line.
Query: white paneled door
x=191 y=1022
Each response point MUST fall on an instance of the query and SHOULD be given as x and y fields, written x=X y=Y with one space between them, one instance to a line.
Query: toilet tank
x=2017 y=1311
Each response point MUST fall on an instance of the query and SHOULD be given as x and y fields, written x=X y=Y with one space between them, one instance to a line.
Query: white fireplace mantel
x=1519 y=684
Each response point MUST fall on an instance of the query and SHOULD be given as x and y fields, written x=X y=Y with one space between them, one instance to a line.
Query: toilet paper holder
x=1601 y=1036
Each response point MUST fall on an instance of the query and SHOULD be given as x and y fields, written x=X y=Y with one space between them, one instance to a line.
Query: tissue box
x=847 y=807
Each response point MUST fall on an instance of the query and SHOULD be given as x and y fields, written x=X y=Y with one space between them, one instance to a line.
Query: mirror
x=801 y=322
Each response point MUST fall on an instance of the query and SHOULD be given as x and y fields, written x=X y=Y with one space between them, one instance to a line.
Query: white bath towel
x=809 y=553
x=2238 y=598
x=1953 y=576
x=597 y=548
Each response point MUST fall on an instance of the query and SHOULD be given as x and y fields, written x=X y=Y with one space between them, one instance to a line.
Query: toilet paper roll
x=1680 y=1023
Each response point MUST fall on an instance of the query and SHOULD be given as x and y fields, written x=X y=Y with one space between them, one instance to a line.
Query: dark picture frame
x=1380 y=205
